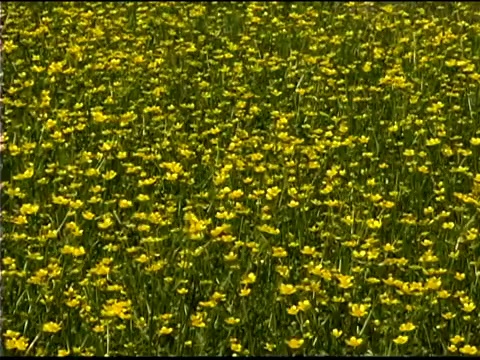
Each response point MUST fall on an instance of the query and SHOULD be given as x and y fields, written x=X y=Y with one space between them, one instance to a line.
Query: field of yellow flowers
x=240 y=178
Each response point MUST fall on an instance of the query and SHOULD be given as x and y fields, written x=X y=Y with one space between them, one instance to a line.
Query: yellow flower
x=469 y=350
x=51 y=327
x=249 y=279
x=236 y=194
x=279 y=252
x=407 y=327
x=11 y=334
x=433 y=142
x=165 y=331
x=457 y=339
x=11 y=344
x=337 y=333
x=142 y=258
x=452 y=348
x=98 y=328
x=433 y=283
x=367 y=67
x=245 y=291
x=236 y=347
x=295 y=343
x=449 y=316
x=67 y=249
x=443 y=294
x=232 y=321
x=293 y=204
x=106 y=223
x=475 y=141
x=354 y=342
x=374 y=224
x=270 y=347
x=87 y=215
x=304 y=305
x=358 y=310
x=78 y=251
x=210 y=304
x=459 y=276
x=143 y=197
x=29 y=209
x=308 y=250
x=400 y=340
x=123 y=203
x=63 y=352
x=448 y=225
x=469 y=307
x=197 y=321
x=409 y=152
x=117 y=308
x=217 y=296
x=166 y=316
x=109 y=175
x=287 y=289
x=20 y=343
x=230 y=257
x=345 y=281
x=293 y=310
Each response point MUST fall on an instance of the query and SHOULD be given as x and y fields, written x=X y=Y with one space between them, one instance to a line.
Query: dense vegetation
x=244 y=177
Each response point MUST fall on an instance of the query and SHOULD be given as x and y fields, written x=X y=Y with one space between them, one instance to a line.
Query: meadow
x=240 y=178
